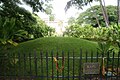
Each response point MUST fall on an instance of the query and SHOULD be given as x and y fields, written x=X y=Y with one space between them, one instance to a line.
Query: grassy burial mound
x=56 y=44
x=26 y=62
x=36 y=57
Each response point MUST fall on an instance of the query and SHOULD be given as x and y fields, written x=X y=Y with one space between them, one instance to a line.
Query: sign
x=91 y=68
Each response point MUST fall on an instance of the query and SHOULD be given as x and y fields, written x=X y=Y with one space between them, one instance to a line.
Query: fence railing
x=52 y=66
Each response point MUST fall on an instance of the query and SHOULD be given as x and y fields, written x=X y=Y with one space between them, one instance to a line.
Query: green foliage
x=76 y=30
x=104 y=48
x=56 y=44
x=25 y=24
x=22 y=16
x=110 y=34
x=71 y=21
x=48 y=9
x=51 y=17
x=8 y=30
x=114 y=33
x=18 y=24
x=24 y=20
x=36 y=5
x=5 y=30
x=90 y=15
x=78 y=3
x=41 y=29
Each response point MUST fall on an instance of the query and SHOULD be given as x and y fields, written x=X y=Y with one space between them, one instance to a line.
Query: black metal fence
x=59 y=66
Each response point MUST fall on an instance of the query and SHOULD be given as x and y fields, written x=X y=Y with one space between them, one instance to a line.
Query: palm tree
x=8 y=30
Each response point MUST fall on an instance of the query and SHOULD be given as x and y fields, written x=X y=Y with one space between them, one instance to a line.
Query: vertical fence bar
x=42 y=72
x=52 y=66
x=86 y=56
x=63 y=65
x=7 y=61
x=80 y=65
x=9 y=70
x=91 y=62
x=24 y=56
x=14 y=66
x=97 y=57
x=47 y=64
x=3 y=61
x=108 y=58
x=97 y=77
x=113 y=62
x=91 y=56
x=1 y=74
x=30 y=65
x=68 y=65
x=18 y=66
x=86 y=60
x=73 y=65
x=118 y=65
x=101 y=74
x=57 y=67
x=19 y=61
x=35 y=60
x=97 y=61
x=3 y=66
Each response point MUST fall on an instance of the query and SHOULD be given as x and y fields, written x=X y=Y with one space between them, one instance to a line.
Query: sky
x=59 y=5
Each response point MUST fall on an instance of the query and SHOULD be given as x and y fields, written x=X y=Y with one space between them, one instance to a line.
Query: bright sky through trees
x=59 y=5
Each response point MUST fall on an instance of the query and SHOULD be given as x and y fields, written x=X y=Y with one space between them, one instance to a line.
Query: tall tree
x=36 y=5
x=23 y=18
x=71 y=20
x=88 y=16
x=104 y=12
x=95 y=15
x=81 y=3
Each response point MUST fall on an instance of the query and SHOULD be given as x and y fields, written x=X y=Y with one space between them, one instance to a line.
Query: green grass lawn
x=55 y=44
x=48 y=44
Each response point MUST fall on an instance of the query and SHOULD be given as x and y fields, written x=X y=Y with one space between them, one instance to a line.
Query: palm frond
x=69 y=4
x=78 y=3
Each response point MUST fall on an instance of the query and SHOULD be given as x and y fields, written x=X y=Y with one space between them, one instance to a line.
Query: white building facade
x=58 y=25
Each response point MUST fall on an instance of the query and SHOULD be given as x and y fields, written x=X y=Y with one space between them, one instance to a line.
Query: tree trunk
x=104 y=13
x=118 y=9
x=95 y=15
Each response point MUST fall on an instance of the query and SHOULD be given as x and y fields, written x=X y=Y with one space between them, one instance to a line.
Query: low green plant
x=100 y=34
